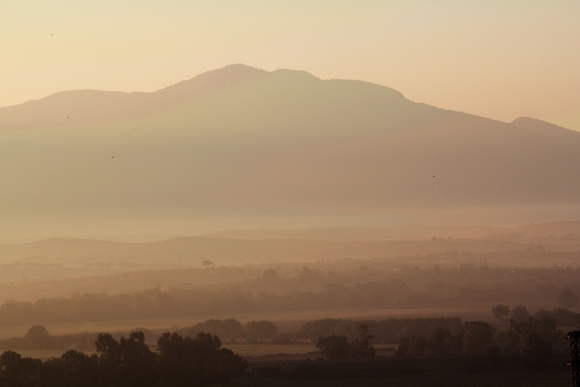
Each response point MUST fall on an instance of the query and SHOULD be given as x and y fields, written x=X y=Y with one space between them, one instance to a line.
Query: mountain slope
x=93 y=107
x=242 y=142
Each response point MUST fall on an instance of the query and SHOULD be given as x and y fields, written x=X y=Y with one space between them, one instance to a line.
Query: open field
x=422 y=371
x=520 y=379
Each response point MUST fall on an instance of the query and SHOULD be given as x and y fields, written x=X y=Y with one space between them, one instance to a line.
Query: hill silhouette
x=91 y=107
x=245 y=142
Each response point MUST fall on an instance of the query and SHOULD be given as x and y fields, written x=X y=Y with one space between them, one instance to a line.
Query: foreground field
x=520 y=379
x=422 y=371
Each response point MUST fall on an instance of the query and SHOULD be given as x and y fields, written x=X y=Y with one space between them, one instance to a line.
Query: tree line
x=128 y=362
x=537 y=339
x=311 y=289
x=38 y=336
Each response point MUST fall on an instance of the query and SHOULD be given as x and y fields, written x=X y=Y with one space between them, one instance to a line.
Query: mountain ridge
x=58 y=108
x=247 y=143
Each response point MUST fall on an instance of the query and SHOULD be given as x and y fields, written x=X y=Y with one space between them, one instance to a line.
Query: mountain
x=93 y=107
x=243 y=143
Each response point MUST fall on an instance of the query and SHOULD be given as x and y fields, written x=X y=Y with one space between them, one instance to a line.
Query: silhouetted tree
x=362 y=346
x=333 y=347
x=500 y=311
x=80 y=369
x=520 y=313
x=538 y=350
x=403 y=348
x=16 y=370
x=563 y=316
x=184 y=361
x=270 y=275
x=37 y=337
x=414 y=346
x=476 y=336
x=128 y=362
x=418 y=346
x=442 y=342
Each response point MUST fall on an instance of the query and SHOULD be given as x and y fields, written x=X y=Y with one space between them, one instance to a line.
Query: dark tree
x=414 y=346
x=403 y=348
x=538 y=350
x=439 y=342
x=37 y=337
x=81 y=369
x=500 y=311
x=270 y=275
x=418 y=346
x=184 y=361
x=128 y=362
x=16 y=370
x=362 y=346
x=520 y=313
x=477 y=335
x=333 y=347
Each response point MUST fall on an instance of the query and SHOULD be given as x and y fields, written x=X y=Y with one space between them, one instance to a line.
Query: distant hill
x=242 y=142
x=556 y=230
x=194 y=250
x=93 y=107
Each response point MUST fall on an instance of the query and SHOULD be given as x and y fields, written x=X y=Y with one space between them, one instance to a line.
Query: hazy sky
x=499 y=59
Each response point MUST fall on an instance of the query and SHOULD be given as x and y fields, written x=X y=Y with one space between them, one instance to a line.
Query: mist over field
x=216 y=180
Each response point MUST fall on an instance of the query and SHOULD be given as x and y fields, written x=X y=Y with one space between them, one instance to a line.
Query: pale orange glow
x=495 y=59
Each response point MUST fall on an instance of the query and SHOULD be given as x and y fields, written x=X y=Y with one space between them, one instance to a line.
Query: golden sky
x=499 y=59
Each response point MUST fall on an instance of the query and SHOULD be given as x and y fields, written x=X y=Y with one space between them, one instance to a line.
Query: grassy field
x=422 y=371
x=521 y=379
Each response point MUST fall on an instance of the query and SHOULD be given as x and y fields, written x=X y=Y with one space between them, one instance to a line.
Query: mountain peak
x=542 y=127
x=215 y=79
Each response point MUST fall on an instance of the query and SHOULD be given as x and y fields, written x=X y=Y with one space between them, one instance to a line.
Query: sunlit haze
x=496 y=59
x=289 y=193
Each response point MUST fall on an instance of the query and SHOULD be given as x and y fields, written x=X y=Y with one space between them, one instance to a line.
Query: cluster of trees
x=337 y=347
x=537 y=337
x=128 y=362
x=563 y=317
x=309 y=289
x=387 y=331
x=533 y=337
x=232 y=329
x=187 y=302
x=38 y=336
